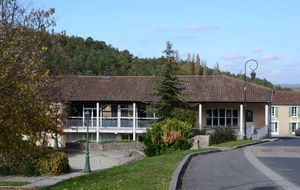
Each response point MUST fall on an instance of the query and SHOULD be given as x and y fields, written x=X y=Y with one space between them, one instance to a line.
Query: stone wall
x=107 y=146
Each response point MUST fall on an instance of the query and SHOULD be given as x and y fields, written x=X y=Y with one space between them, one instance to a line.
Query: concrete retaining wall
x=107 y=146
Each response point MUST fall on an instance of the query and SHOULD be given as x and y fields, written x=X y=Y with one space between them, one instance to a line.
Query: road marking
x=282 y=182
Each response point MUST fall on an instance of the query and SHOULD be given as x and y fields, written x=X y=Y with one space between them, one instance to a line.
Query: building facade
x=119 y=107
x=285 y=113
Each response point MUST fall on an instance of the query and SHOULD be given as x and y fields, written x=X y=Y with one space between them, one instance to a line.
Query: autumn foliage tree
x=27 y=91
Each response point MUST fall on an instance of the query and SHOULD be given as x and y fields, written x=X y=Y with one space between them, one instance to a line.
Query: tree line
x=78 y=56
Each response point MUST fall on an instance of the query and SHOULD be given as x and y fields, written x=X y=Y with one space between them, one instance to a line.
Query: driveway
x=274 y=165
x=225 y=170
x=282 y=156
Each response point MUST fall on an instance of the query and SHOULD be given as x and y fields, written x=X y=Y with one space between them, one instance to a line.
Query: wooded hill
x=78 y=56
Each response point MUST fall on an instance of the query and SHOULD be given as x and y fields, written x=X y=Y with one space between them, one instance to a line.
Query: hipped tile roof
x=211 y=88
x=286 y=98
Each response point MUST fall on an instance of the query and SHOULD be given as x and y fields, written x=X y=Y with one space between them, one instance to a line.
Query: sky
x=227 y=32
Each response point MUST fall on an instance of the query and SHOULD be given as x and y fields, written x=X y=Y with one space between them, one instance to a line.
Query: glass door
x=274 y=128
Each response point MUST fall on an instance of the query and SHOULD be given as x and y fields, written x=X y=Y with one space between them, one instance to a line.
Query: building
x=285 y=113
x=120 y=105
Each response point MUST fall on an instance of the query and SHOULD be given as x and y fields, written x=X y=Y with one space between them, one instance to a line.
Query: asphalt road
x=225 y=170
x=282 y=156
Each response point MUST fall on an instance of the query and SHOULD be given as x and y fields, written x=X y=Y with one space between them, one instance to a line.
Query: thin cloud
x=141 y=25
x=163 y=30
x=256 y=50
x=197 y=28
x=233 y=57
x=269 y=57
x=185 y=37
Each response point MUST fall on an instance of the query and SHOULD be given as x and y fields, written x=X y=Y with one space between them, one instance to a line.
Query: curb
x=179 y=172
x=177 y=176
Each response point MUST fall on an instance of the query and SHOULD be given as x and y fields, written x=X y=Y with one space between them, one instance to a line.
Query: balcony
x=110 y=122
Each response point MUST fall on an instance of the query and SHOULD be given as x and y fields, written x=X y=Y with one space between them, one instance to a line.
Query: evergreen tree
x=199 y=65
x=205 y=69
x=216 y=69
x=169 y=87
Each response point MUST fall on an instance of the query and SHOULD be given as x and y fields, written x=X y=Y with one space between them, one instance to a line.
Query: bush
x=44 y=162
x=223 y=135
x=53 y=163
x=197 y=131
x=166 y=135
x=185 y=115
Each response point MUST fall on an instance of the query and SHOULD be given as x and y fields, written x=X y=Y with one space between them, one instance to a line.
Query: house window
x=273 y=111
x=294 y=111
x=221 y=117
x=126 y=110
x=274 y=127
x=109 y=110
x=294 y=127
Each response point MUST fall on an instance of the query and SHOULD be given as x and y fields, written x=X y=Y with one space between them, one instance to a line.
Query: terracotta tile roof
x=140 y=88
x=286 y=98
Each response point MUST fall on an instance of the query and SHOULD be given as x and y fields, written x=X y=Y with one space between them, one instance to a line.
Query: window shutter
x=298 y=108
x=276 y=111
x=290 y=111
x=290 y=128
x=298 y=126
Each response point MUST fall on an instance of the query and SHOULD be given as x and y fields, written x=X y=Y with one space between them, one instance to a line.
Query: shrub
x=53 y=163
x=223 y=135
x=185 y=115
x=44 y=162
x=168 y=134
x=197 y=131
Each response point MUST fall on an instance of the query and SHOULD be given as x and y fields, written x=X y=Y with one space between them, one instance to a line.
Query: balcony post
x=200 y=116
x=97 y=122
x=134 y=121
x=241 y=121
x=119 y=116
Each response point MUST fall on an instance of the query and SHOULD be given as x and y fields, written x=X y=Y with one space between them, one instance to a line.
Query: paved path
x=225 y=170
x=282 y=156
x=99 y=161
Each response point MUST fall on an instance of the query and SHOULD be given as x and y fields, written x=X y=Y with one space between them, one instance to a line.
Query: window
x=109 y=110
x=294 y=111
x=273 y=111
x=126 y=110
x=221 y=117
x=294 y=127
x=274 y=127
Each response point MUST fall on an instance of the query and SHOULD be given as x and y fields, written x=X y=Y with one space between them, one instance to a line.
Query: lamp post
x=87 y=168
x=253 y=74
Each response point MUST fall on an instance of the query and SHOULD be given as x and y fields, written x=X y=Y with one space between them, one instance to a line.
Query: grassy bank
x=232 y=144
x=13 y=183
x=152 y=173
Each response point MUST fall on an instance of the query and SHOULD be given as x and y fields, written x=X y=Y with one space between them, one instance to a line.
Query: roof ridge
x=251 y=83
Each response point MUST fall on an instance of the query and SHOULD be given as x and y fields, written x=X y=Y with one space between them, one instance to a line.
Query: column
x=200 y=116
x=266 y=115
x=83 y=116
x=97 y=122
x=119 y=116
x=134 y=121
x=241 y=120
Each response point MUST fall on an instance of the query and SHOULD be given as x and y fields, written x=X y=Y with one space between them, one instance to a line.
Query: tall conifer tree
x=169 y=87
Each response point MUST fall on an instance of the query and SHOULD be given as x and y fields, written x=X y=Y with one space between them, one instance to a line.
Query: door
x=274 y=128
x=249 y=123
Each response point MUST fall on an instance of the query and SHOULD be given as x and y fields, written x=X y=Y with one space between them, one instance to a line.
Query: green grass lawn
x=232 y=144
x=152 y=173
x=13 y=183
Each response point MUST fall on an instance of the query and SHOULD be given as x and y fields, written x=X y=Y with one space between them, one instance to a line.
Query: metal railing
x=141 y=122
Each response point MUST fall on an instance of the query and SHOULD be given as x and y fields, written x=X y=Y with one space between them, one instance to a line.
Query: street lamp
x=87 y=168
x=253 y=74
